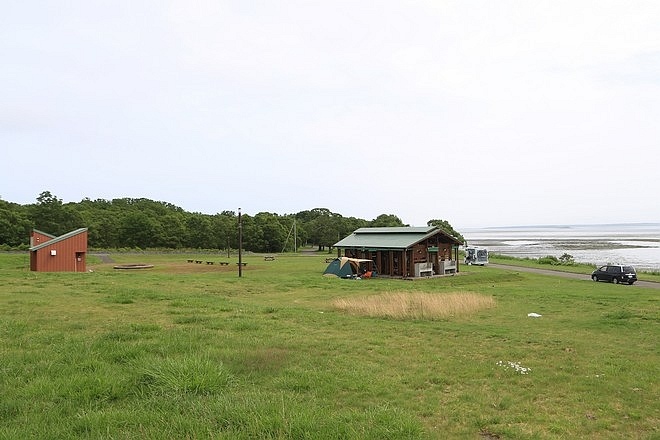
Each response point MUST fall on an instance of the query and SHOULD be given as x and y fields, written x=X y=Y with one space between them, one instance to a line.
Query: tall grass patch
x=415 y=305
x=195 y=375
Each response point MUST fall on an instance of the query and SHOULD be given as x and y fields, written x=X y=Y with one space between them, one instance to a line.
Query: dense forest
x=147 y=224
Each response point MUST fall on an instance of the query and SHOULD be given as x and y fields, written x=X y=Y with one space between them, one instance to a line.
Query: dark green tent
x=345 y=267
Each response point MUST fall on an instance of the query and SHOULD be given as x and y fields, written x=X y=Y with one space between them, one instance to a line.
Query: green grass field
x=192 y=351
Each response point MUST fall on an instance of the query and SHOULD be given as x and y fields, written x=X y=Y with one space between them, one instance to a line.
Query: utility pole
x=240 y=244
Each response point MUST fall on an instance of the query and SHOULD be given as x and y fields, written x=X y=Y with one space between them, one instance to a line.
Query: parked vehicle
x=476 y=255
x=615 y=273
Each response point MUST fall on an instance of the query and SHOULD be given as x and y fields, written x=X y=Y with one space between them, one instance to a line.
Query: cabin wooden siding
x=437 y=248
x=59 y=254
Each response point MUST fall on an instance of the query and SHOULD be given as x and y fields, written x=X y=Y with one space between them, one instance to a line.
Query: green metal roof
x=391 y=238
x=397 y=230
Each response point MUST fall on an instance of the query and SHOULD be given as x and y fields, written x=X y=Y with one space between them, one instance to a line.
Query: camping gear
x=345 y=267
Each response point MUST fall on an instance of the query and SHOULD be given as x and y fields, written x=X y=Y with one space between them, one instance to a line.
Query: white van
x=476 y=255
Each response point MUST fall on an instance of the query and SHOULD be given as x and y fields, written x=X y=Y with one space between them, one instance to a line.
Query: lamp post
x=240 y=244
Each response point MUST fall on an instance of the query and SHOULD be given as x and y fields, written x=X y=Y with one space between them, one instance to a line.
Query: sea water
x=636 y=244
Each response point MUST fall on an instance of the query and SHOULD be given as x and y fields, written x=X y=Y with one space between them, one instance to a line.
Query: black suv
x=615 y=274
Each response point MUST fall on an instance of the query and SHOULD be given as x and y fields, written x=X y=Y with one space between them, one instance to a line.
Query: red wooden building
x=65 y=253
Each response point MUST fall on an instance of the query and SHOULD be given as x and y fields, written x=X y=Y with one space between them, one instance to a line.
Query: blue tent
x=345 y=267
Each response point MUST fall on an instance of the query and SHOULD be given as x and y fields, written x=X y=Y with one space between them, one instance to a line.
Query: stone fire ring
x=134 y=266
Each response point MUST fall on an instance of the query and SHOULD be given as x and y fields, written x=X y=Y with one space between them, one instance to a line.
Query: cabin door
x=79 y=264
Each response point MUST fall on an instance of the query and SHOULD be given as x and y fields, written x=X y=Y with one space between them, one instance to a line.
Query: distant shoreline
x=637 y=244
x=567 y=226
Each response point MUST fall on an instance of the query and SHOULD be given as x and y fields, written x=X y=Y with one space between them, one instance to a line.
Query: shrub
x=549 y=259
x=564 y=260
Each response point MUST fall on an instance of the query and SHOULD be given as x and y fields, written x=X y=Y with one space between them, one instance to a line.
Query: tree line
x=147 y=224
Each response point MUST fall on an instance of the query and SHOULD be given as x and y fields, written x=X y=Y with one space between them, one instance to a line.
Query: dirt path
x=105 y=258
x=575 y=276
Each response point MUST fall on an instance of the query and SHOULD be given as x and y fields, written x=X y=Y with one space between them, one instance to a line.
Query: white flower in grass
x=515 y=366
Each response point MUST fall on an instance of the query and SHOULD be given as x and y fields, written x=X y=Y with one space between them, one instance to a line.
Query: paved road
x=575 y=276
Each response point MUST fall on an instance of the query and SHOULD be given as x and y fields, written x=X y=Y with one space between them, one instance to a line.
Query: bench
x=269 y=258
x=209 y=262
x=198 y=261
x=224 y=263
x=447 y=266
x=191 y=260
x=242 y=264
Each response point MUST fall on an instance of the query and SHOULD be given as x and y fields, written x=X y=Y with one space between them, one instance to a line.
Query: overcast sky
x=482 y=113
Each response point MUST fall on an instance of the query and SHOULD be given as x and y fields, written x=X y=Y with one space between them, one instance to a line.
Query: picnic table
x=224 y=263
x=269 y=258
x=190 y=260
x=242 y=264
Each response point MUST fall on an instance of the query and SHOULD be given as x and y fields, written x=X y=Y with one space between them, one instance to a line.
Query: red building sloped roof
x=57 y=239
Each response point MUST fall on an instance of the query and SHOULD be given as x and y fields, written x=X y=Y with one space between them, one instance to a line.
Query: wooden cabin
x=407 y=252
x=66 y=253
